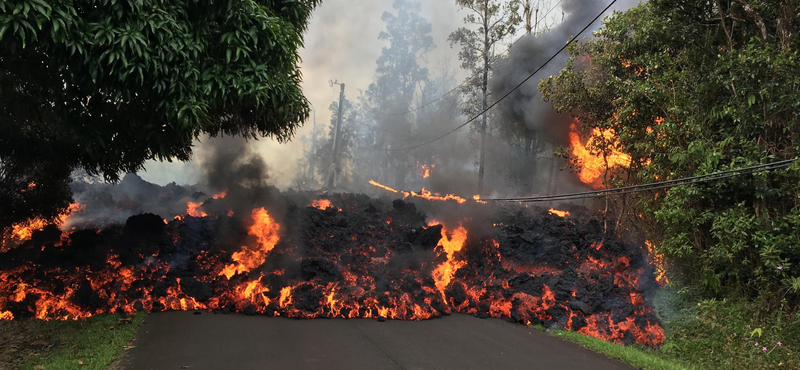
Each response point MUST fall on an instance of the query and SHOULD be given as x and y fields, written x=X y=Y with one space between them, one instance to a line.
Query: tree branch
x=759 y=21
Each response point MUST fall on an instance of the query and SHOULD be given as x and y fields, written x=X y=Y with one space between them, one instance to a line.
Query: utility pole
x=312 y=160
x=336 y=164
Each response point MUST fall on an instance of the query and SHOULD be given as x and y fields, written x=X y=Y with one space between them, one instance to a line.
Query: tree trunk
x=528 y=12
x=756 y=17
x=785 y=24
x=484 y=90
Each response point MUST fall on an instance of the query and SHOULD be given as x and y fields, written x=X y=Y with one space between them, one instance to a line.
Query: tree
x=105 y=85
x=398 y=77
x=693 y=88
x=495 y=19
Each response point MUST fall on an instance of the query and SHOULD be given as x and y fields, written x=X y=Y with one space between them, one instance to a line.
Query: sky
x=341 y=44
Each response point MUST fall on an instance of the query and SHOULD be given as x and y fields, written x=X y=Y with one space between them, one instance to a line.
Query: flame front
x=192 y=209
x=322 y=204
x=343 y=265
x=593 y=167
x=265 y=229
x=444 y=273
x=558 y=213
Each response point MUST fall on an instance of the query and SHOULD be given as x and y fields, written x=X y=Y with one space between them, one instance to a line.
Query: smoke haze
x=342 y=44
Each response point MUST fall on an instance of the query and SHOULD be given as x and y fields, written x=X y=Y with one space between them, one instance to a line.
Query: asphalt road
x=181 y=340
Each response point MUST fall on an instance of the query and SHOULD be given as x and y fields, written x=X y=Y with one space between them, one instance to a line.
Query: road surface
x=181 y=340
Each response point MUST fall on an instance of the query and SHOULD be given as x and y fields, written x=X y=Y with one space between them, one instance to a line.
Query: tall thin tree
x=492 y=21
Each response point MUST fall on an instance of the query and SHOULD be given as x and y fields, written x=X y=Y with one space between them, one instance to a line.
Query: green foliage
x=722 y=334
x=105 y=85
x=88 y=344
x=693 y=88
x=488 y=23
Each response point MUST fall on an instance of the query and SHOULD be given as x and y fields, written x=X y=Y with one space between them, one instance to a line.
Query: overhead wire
x=661 y=184
x=652 y=186
x=720 y=175
x=471 y=76
x=573 y=39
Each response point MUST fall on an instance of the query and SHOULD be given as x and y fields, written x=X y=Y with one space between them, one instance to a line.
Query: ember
x=368 y=260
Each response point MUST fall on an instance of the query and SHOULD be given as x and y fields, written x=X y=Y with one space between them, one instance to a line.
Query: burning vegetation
x=594 y=166
x=347 y=256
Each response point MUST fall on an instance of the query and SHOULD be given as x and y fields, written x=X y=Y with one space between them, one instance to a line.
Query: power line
x=471 y=76
x=663 y=184
x=573 y=39
x=645 y=187
x=656 y=185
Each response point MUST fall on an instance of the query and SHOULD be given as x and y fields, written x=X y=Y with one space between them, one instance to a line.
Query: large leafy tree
x=398 y=78
x=488 y=23
x=694 y=87
x=105 y=85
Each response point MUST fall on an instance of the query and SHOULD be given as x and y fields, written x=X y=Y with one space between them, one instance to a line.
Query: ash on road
x=181 y=340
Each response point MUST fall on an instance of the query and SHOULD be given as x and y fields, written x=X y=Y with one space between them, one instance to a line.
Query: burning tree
x=105 y=86
x=687 y=93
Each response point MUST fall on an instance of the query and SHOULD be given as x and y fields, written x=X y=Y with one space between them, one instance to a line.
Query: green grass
x=91 y=344
x=709 y=335
x=639 y=357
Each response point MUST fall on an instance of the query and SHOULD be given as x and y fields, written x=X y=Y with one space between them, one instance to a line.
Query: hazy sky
x=341 y=44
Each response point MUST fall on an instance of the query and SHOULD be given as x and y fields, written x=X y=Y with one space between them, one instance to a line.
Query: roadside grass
x=90 y=344
x=709 y=335
x=636 y=356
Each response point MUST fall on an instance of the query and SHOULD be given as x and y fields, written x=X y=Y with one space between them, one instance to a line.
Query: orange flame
x=425 y=170
x=23 y=231
x=477 y=198
x=658 y=261
x=444 y=273
x=425 y=194
x=192 y=209
x=558 y=213
x=265 y=229
x=594 y=166
x=221 y=195
x=384 y=187
x=322 y=204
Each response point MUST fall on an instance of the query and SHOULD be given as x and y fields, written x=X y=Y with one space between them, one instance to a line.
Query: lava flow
x=349 y=257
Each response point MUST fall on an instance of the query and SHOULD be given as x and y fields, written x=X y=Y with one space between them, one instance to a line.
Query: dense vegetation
x=105 y=85
x=691 y=88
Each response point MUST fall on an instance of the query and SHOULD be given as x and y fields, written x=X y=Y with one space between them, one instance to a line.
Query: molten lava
x=193 y=209
x=265 y=229
x=384 y=187
x=444 y=273
x=425 y=194
x=21 y=232
x=322 y=204
x=367 y=261
x=594 y=166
